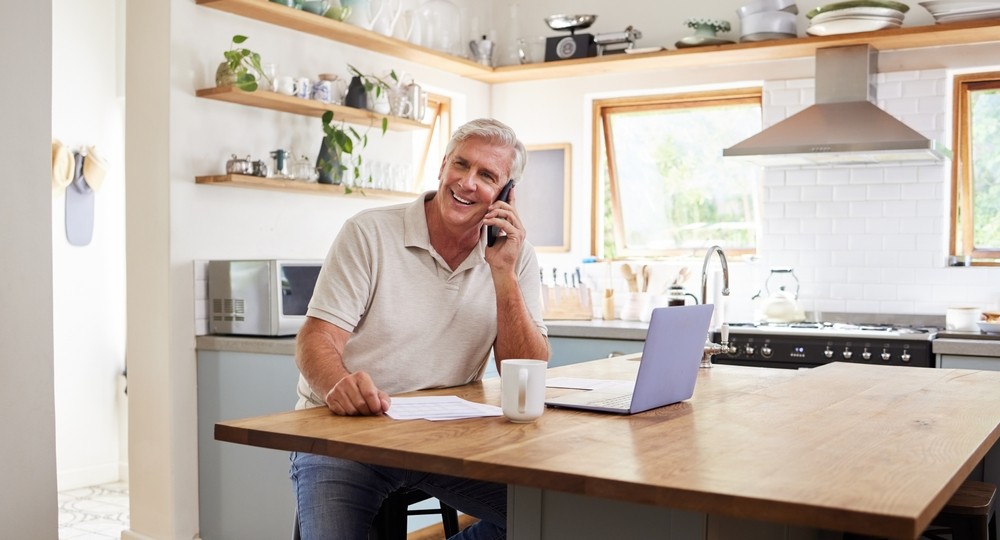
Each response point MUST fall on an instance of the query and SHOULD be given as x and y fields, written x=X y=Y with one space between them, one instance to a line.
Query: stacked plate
x=945 y=11
x=763 y=20
x=855 y=16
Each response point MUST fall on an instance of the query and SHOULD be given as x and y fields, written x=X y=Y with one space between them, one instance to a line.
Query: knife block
x=570 y=303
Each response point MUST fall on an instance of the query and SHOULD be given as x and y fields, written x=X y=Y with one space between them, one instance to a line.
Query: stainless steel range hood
x=844 y=127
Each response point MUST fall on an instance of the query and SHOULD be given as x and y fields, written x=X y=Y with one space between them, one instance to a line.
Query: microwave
x=260 y=297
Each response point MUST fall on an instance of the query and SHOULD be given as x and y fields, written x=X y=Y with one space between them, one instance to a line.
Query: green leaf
x=385 y=124
x=239 y=39
x=327 y=117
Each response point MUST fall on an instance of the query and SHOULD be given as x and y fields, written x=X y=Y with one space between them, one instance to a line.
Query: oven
x=811 y=344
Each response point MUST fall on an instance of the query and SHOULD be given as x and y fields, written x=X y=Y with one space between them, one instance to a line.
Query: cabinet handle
x=613 y=354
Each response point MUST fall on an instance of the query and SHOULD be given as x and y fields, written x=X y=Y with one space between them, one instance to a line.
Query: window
x=975 y=190
x=661 y=185
x=432 y=146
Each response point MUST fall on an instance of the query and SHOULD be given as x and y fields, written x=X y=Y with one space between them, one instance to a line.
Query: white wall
x=89 y=281
x=173 y=137
x=28 y=503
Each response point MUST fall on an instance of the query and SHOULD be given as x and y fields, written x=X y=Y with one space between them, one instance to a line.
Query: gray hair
x=496 y=132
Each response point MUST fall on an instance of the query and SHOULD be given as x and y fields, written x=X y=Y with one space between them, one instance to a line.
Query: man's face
x=471 y=179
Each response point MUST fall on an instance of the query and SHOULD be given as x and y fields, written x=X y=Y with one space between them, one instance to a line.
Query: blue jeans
x=337 y=499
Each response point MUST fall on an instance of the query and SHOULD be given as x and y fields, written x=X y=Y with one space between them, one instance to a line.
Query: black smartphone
x=493 y=231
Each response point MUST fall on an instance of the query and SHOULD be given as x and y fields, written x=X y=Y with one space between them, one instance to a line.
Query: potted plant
x=241 y=67
x=365 y=87
x=337 y=152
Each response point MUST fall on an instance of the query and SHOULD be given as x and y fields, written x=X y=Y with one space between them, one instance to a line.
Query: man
x=411 y=297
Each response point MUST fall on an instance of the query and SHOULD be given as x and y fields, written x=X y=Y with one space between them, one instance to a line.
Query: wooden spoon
x=645 y=278
x=633 y=286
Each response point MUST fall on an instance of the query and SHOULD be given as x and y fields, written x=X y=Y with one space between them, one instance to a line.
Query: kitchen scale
x=585 y=45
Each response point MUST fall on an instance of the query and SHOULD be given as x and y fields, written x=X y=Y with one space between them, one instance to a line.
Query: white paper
x=581 y=384
x=439 y=408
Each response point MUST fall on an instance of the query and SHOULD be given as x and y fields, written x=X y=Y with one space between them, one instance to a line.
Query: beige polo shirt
x=415 y=323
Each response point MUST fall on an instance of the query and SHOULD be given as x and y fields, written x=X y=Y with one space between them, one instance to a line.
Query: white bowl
x=990 y=328
x=769 y=22
x=758 y=6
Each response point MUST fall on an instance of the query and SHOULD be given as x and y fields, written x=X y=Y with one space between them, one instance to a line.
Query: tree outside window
x=663 y=186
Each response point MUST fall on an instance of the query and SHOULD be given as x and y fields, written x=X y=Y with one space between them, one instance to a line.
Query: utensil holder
x=569 y=303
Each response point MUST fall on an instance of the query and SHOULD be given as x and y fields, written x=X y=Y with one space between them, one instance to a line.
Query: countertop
x=766 y=444
x=970 y=344
x=967 y=344
x=596 y=329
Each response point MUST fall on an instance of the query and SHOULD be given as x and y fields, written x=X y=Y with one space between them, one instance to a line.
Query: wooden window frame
x=601 y=110
x=961 y=242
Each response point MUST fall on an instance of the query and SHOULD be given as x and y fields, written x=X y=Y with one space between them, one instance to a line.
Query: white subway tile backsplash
x=785 y=97
x=882 y=225
x=900 y=107
x=800 y=177
x=916 y=191
x=784 y=194
x=848 y=226
x=864 y=242
x=831 y=242
x=901 y=174
x=863 y=209
x=922 y=88
x=899 y=208
x=801 y=210
x=882 y=192
x=833 y=176
x=870 y=239
x=832 y=209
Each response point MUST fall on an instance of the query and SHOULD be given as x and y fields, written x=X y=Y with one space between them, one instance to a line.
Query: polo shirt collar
x=415 y=231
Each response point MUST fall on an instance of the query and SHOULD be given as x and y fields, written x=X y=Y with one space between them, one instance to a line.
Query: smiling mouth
x=461 y=200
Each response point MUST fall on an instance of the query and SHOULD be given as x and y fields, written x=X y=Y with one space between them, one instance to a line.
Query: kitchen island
x=756 y=453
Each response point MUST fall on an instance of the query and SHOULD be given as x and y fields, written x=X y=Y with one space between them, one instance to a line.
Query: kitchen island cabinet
x=971 y=351
x=756 y=453
x=913 y=37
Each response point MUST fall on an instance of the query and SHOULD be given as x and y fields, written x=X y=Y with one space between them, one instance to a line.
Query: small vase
x=224 y=76
x=356 y=96
x=327 y=166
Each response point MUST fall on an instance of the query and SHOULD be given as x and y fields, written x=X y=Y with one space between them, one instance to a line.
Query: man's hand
x=505 y=252
x=356 y=395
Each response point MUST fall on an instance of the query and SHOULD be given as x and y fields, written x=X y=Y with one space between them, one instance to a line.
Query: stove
x=811 y=344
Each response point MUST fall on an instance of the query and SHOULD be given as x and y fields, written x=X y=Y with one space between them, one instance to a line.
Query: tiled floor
x=93 y=513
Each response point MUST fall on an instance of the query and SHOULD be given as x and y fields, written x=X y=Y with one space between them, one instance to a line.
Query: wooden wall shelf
x=911 y=37
x=280 y=184
x=265 y=99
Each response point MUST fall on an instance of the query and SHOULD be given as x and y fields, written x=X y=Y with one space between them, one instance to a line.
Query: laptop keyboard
x=617 y=402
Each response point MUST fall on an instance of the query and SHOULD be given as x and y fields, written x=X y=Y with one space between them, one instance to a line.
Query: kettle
x=782 y=306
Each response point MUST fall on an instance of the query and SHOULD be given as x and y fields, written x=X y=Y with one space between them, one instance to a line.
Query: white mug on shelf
x=285 y=84
x=522 y=384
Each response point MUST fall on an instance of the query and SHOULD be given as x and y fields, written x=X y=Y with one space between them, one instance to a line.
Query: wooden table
x=756 y=452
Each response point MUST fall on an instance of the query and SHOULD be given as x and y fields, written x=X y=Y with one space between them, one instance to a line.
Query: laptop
x=668 y=368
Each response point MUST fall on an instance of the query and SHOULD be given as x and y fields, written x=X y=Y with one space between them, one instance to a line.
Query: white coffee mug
x=523 y=389
x=963 y=319
x=285 y=84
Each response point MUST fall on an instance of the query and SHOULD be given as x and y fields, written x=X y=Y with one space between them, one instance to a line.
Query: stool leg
x=449 y=519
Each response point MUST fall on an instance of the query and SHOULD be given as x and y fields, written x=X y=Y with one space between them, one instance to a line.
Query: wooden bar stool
x=390 y=522
x=969 y=515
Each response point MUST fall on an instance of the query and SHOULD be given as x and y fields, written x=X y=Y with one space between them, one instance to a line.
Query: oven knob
x=866 y=354
x=828 y=353
x=886 y=355
x=848 y=354
x=905 y=356
x=748 y=350
x=765 y=351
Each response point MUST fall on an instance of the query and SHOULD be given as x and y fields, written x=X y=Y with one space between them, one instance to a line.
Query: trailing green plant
x=345 y=144
x=244 y=64
x=374 y=86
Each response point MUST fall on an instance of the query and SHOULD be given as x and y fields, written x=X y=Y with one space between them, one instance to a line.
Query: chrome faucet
x=711 y=349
